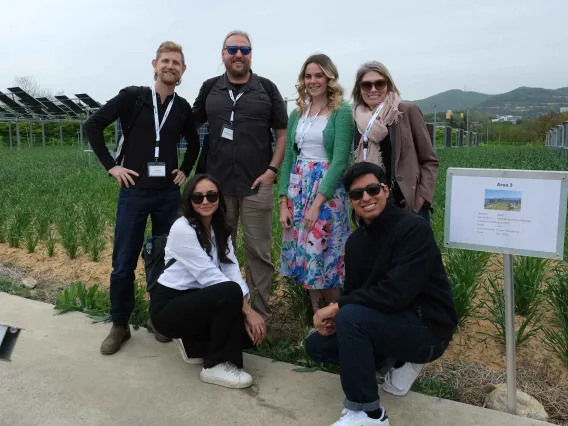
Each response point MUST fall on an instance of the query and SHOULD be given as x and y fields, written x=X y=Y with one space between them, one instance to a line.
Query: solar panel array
x=17 y=103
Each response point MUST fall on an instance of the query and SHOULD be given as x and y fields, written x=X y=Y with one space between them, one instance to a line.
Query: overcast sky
x=98 y=47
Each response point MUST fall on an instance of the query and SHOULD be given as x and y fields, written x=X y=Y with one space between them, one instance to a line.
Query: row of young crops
x=54 y=196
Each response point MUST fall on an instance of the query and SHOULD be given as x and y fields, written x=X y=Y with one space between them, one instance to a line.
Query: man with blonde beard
x=241 y=108
x=146 y=169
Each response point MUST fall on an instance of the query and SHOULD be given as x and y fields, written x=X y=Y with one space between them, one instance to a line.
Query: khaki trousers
x=255 y=212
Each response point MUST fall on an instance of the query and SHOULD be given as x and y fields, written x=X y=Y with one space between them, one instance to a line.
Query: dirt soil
x=61 y=269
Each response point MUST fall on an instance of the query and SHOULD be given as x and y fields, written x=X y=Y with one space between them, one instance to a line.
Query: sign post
x=513 y=212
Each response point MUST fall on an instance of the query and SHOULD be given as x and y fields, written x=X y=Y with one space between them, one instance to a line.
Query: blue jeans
x=364 y=338
x=134 y=207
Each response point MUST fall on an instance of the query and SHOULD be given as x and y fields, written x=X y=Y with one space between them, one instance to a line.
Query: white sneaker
x=192 y=361
x=399 y=381
x=360 y=418
x=228 y=375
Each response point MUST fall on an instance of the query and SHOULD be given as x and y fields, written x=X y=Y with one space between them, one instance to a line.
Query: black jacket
x=394 y=265
x=141 y=139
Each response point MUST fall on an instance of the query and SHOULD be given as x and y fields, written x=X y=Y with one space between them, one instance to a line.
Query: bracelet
x=274 y=169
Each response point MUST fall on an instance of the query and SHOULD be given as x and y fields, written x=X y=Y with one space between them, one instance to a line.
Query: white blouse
x=193 y=267
x=312 y=148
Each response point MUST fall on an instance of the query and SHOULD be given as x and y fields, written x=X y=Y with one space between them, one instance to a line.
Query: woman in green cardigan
x=314 y=206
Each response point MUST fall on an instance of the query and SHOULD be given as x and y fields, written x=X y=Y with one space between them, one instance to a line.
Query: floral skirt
x=315 y=259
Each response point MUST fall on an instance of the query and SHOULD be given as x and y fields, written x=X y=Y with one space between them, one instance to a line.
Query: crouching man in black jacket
x=397 y=304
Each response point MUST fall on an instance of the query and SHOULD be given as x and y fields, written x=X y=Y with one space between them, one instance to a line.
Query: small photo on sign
x=502 y=199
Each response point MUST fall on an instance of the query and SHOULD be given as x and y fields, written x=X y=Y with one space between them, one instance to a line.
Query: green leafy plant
x=92 y=236
x=17 y=227
x=140 y=313
x=50 y=242
x=67 y=227
x=300 y=303
x=556 y=338
x=529 y=275
x=31 y=238
x=3 y=223
x=95 y=302
x=77 y=297
x=43 y=222
x=465 y=270
x=495 y=306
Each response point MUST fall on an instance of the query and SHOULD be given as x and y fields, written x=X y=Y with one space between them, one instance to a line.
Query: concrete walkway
x=58 y=377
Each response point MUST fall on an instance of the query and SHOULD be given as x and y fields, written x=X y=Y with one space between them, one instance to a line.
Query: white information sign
x=506 y=211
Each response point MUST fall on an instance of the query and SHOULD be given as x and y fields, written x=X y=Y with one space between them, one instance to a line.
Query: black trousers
x=209 y=321
x=364 y=338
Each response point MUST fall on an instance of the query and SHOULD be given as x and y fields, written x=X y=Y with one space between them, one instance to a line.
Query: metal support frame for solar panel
x=18 y=106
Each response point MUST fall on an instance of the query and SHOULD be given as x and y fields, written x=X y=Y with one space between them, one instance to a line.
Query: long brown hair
x=219 y=224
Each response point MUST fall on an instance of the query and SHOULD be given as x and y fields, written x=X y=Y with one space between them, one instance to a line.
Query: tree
x=32 y=87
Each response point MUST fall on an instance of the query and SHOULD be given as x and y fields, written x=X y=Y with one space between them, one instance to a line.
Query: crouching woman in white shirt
x=201 y=299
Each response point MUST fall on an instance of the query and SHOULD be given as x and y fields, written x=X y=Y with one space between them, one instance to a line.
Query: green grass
x=438 y=388
x=16 y=289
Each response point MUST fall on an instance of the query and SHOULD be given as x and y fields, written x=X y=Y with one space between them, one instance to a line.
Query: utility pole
x=467 y=128
x=435 y=133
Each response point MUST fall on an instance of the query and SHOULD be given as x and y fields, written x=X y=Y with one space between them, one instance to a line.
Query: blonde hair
x=237 y=33
x=169 y=46
x=371 y=66
x=334 y=90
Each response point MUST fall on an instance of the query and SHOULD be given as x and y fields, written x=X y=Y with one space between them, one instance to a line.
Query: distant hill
x=523 y=101
x=526 y=101
x=452 y=99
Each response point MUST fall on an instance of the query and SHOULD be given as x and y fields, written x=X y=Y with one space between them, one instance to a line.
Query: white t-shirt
x=193 y=267
x=312 y=148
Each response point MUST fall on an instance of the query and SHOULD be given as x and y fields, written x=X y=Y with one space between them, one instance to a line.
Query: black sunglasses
x=232 y=50
x=372 y=189
x=212 y=197
x=368 y=85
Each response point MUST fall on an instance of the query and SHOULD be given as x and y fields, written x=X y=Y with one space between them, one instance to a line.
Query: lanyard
x=234 y=103
x=157 y=124
x=368 y=130
x=301 y=132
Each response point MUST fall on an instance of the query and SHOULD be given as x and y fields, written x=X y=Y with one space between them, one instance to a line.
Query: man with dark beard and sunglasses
x=241 y=108
x=146 y=168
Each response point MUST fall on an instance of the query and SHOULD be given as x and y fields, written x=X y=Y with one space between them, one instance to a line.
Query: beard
x=169 y=79
x=237 y=72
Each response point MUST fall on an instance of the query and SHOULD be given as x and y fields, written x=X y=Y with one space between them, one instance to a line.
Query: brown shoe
x=159 y=337
x=117 y=336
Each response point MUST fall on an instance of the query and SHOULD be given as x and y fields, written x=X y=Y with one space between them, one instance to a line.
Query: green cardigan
x=337 y=141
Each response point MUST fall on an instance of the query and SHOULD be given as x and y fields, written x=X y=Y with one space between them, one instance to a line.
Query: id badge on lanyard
x=157 y=168
x=302 y=129
x=227 y=130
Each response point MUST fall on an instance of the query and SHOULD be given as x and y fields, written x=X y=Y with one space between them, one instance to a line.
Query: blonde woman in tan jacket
x=393 y=135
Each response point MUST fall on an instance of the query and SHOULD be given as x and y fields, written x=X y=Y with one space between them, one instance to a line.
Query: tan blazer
x=416 y=165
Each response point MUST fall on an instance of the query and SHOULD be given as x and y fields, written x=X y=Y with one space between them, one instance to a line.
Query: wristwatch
x=274 y=169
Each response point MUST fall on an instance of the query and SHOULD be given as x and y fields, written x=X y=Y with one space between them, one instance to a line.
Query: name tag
x=156 y=169
x=227 y=133
x=294 y=179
